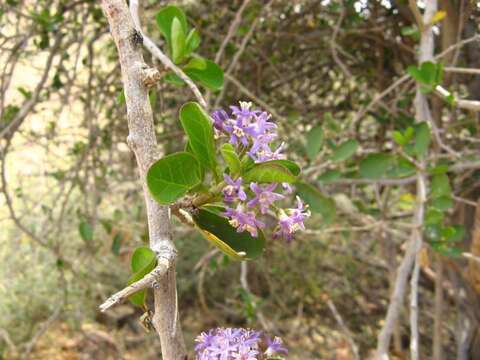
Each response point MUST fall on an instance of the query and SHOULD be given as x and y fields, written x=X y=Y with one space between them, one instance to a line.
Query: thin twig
x=231 y=31
x=333 y=44
x=146 y=282
x=346 y=331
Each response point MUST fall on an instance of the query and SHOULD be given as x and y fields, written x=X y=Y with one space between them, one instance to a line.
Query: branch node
x=150 y=77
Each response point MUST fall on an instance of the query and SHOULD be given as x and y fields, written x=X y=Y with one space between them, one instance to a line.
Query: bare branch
x=146 y=282
x=231 y=31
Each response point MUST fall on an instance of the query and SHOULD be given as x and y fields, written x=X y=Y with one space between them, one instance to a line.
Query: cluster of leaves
x=181 y=43
x=428 y=75
x=413 y=142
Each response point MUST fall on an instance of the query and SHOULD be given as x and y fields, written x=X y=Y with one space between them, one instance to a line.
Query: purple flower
x=220 y=117
x=261 y=143
x=245 y=353
x=233 y=190
x=236 y=344
x=264 y=196
x=243 y=111
x=275 y=347
x=266 y=154
x=291 y=220
x=239 y=131
x=262 y=125
x=244 y=220
x=204 y=340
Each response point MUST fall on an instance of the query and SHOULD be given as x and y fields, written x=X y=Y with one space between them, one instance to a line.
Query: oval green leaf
x=344 y=150
x=268 y=172
x=178 y=41
x=199 y=129
x=290 y=165
x=216 y=229
x=165 y=19
x=173 y=176
x=314 y=142
x=374 y=166
x=205 y=72
x=143 y=261
x=86 y=231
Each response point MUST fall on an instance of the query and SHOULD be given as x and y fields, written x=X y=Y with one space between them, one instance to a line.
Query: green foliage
x=428 y=75
x=181 y=43
x=440 y=186
x=268 y=172
x=165 y=19
x=314 y=142
x=116 y=244
x=173 y=176
x=85 y=230
x=317 y=202
x=374 y=166
x=199 y=129
x=178 y=41
x=143 y=261
x=231 y=158
x=205 y=72
x=423 y=138
x=329 y=176
x=344 y=151
x=217 y=230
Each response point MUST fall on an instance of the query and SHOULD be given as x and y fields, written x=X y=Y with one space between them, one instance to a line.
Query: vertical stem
x=438 y=310
x=142 y=141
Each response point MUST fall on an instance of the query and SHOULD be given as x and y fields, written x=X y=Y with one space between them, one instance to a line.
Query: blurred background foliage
x=72 y=209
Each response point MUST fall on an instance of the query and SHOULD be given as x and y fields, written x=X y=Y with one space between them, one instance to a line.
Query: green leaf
x=205 y=72
x=173 y=79
x=399 y=138
x=290 y=165
x=231 y=158
x=411 y=31
x=428 y=75
x=199 y=129
x=192 y=42
x=165 y=19
x=268 y=172
x=401 y=168
x=440 y=186
x=374 y=166
x=178 y=41
x=317 y=202
x=433 y=232
x=329 y=176
x=433 y=216
x=217 y=230
x=454 y=233
x=314 y=142
x=438 y=169
x=143 y=262
x=344 y=150
x=443 y=203
x=116 y=243
x=86 y=231
x=422 y=139
x=173 y=176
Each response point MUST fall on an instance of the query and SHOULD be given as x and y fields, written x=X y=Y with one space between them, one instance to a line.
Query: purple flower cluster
x=237 y=344
x=250 y=129
x=252 y=132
